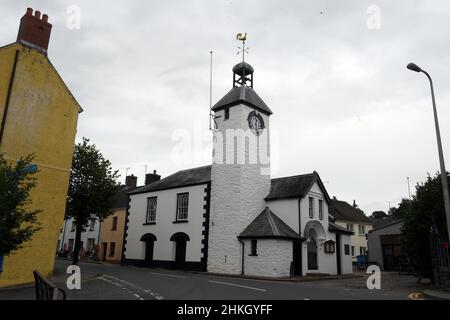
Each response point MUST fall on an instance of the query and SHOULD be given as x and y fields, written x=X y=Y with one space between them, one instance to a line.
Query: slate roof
x=244 y=95
x=338 y=229
x=267 y=226
x=295 y=187
x=381 y=223
x=342 y=210
x=121 y=197
x=184 y=178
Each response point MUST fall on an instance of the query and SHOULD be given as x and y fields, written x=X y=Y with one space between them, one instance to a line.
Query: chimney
x=35 y=30
x=152 y=177
x=354 y=204
x=131 y=181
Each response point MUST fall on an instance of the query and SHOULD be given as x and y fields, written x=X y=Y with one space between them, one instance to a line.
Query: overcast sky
x=344 y=104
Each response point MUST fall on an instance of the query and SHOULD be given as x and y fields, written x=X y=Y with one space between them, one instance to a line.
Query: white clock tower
x=240 y=177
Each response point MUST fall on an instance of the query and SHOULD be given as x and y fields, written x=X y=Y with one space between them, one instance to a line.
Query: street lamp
x=416 y=68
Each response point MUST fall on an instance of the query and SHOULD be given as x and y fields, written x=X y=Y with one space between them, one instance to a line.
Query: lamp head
x=414 y=67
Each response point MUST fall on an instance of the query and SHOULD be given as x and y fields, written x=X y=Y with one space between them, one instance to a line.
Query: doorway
x=149 y=247
x=104 y=248
x=312 y=254
x=180 y=240
x=338 y=254
x=297 y=258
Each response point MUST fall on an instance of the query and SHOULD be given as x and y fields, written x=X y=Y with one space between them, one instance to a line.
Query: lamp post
x=414 y=67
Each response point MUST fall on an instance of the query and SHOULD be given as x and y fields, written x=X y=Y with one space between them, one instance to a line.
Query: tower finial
x=242 y=37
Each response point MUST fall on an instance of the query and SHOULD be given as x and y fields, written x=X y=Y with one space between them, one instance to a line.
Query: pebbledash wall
x=166 y=227
x=273 y=259
x=237 y=195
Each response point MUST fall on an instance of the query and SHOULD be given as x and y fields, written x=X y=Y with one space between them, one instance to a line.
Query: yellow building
x=352 y=219
x=39 y=115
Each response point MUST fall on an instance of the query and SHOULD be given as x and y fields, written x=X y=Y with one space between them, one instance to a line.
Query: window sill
x=149 y=224
x=253 y=255
x=181 y=221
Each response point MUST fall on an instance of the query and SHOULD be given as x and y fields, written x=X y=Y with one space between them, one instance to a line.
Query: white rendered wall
x=346 y=260
x=165 y=228
x=273 y=260
x=237 y=195
x=68 y=234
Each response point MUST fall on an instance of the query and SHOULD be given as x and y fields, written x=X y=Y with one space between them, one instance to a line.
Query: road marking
x=416 y=296
x=113 y=280
x=237 y=285
x=167 y=275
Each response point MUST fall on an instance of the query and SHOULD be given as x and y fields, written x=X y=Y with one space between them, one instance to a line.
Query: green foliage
x=92 y=185
x=379 y=215
x=419 y=214
x=17 y=222
x=92 y=188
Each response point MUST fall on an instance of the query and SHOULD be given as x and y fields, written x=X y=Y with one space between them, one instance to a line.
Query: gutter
x=243 y=256
x=8 y=96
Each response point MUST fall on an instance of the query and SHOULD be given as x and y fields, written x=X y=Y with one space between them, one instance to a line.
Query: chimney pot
x=151 y=178
x=131 y=181
x=34 y=31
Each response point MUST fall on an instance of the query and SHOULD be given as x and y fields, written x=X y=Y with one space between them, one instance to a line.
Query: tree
x=17 y=222
x=379 y=215
x=425 y=209
x=92 y=188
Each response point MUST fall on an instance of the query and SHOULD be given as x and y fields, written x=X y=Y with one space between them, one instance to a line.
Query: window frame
x=114 y=224
x=350 y=227
x=347 y=249
x=311 y=207
x=363 y=228
x=178 y=217
x=148 y=217
x=227 y=114
x=253 y=248
x=362 y=251
x=320 y=209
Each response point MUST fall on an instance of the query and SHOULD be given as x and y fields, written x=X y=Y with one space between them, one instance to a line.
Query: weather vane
x=242 y=37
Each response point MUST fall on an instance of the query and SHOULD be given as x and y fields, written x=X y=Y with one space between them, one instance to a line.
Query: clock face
x=256 y=122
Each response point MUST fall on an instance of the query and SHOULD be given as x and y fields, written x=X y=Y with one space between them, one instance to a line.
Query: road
x=112 y=282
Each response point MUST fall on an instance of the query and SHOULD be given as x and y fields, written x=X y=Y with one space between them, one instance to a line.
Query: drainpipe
x=243 y=255
x=8 y=96
x=63 y=236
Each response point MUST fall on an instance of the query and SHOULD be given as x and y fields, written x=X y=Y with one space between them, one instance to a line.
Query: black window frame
x=347 y=249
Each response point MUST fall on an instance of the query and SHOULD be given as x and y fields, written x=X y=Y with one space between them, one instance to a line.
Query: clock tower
x=240 y=176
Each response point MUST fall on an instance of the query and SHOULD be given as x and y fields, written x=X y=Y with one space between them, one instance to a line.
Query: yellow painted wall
x=107 y=235
x=357 y=240
x=42 y=119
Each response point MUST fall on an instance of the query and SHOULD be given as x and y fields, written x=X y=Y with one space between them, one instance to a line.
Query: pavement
x=115 y=282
